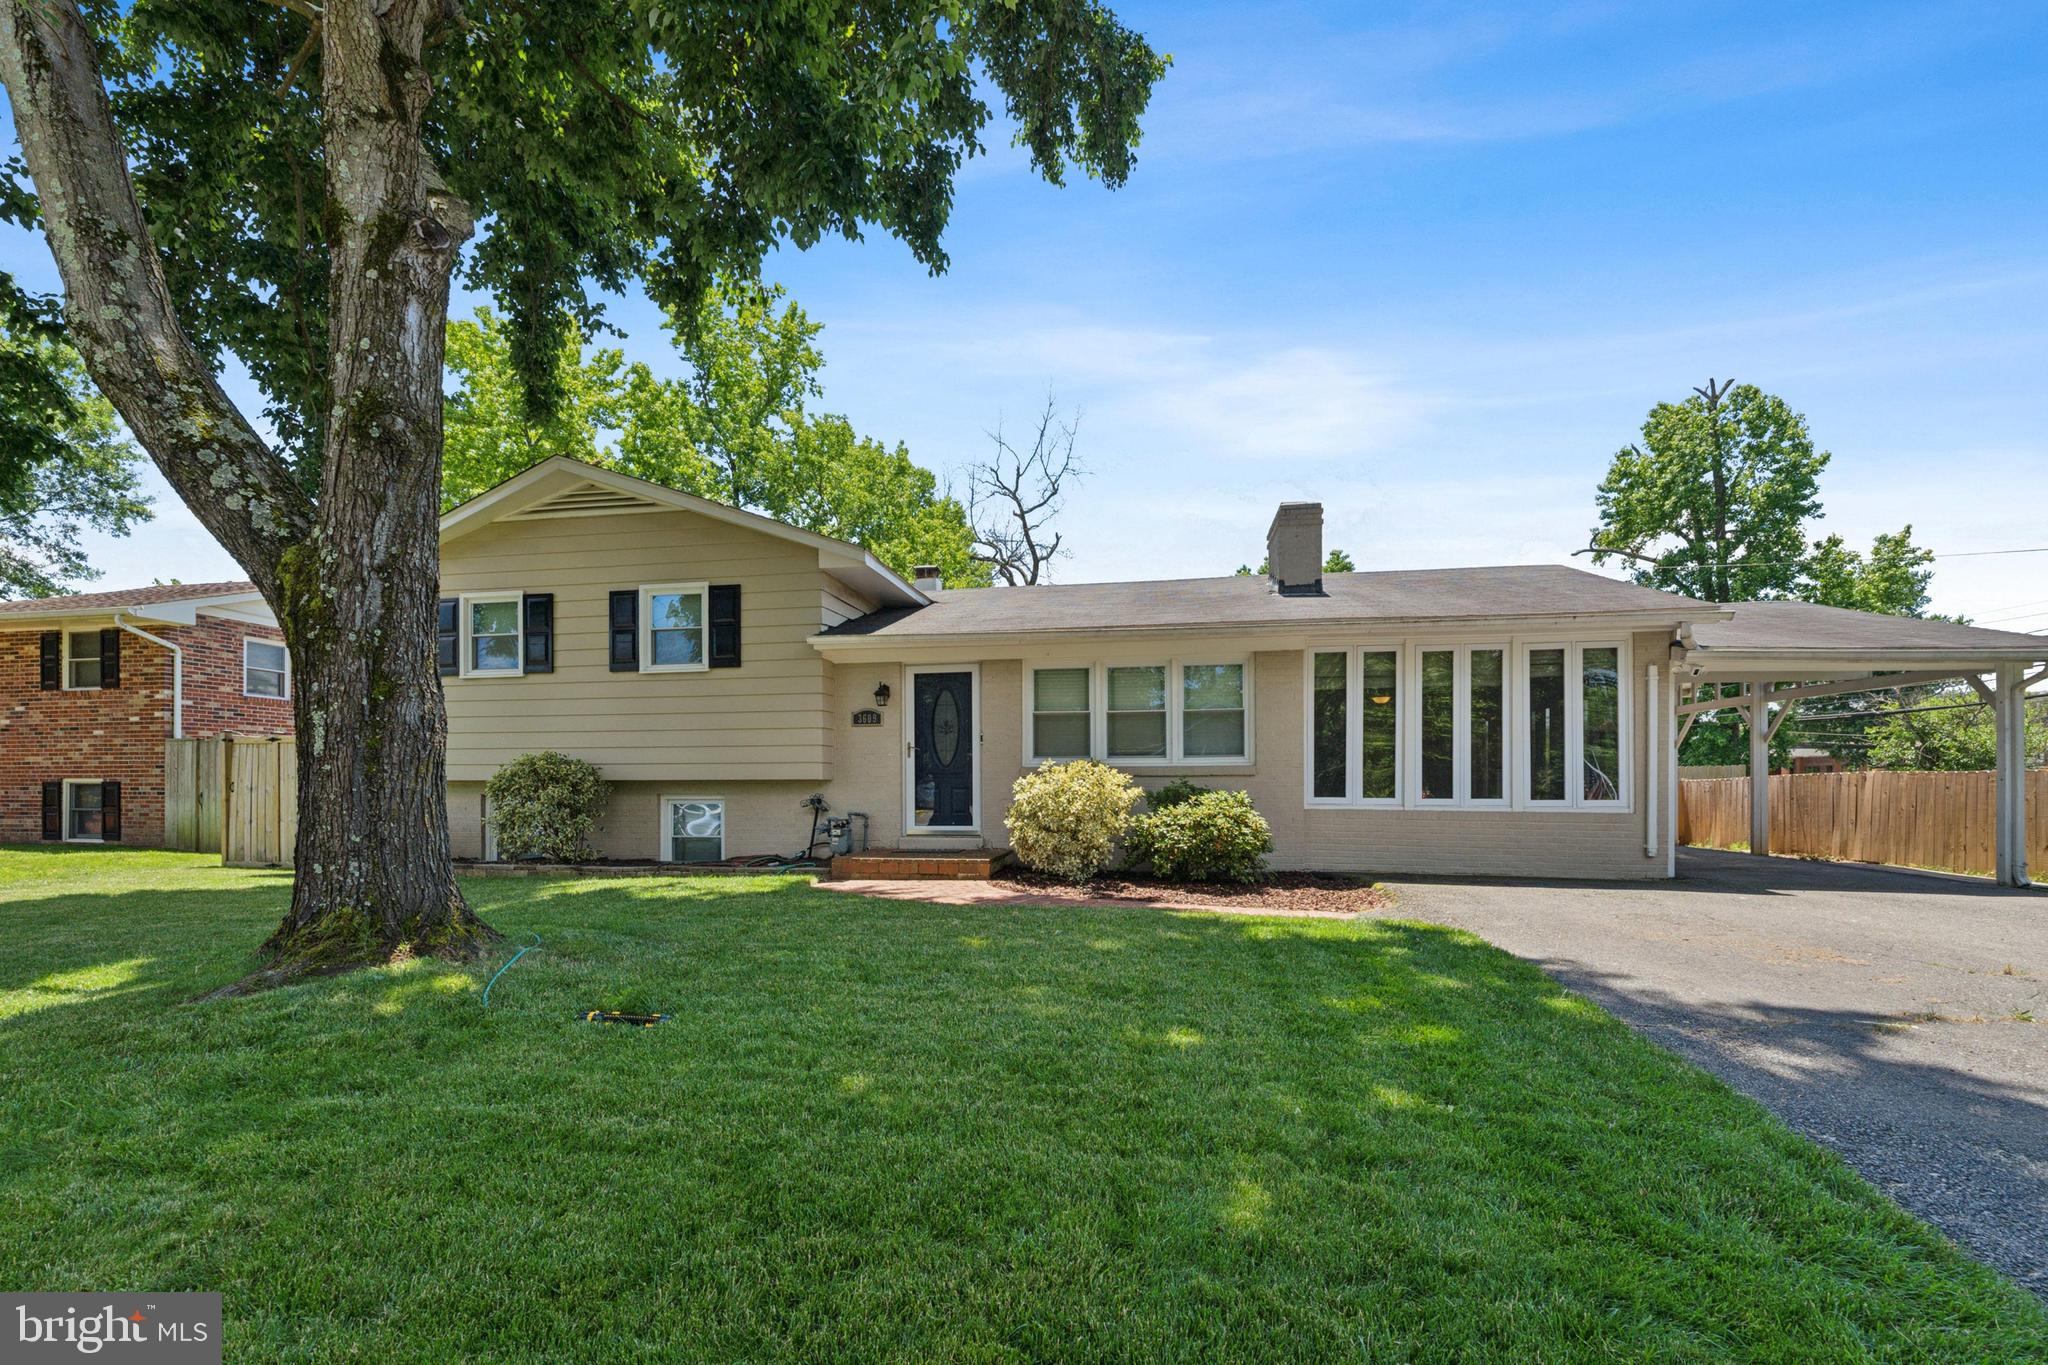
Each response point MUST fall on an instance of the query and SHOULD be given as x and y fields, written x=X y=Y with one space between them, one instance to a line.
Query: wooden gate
x=237 y=797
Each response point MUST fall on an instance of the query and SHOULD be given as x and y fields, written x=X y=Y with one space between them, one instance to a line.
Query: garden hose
x=507 y=967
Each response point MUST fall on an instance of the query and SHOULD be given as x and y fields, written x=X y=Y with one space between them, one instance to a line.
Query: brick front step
x=920 y=864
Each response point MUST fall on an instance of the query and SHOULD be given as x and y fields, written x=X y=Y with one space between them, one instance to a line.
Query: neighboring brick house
x=90 y=689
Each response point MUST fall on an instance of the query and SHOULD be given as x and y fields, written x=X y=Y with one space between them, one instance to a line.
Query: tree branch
x=116 y=300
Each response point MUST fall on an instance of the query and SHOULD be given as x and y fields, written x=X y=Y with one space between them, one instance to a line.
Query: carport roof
x=1797 y=631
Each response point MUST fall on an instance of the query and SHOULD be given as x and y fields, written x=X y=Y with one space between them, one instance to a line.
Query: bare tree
x=1014 y=496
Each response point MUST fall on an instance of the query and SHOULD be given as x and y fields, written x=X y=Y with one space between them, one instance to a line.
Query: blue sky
x=1431 y=264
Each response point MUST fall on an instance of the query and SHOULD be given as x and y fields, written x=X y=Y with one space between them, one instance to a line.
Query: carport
x=1763 y=658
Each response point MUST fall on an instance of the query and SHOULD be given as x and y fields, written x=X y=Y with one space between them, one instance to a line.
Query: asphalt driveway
x=1899 y=1019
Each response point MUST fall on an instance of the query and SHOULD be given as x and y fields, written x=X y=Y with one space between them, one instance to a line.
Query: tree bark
x=354 y=576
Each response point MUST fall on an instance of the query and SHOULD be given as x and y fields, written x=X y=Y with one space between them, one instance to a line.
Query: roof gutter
x=177 y=673
x=882 y=641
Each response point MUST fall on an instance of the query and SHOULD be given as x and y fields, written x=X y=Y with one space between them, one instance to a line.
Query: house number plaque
x=867 y=718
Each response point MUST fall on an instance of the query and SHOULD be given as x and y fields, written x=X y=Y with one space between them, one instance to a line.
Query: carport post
x=2008 y=714
x=1759 y=768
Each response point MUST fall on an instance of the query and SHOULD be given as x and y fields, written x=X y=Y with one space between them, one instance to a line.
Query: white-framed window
x=266 y=668
x=1143 y=713
x=1137 y=713
x=673 y=628
x=81 y=660
x=1062 y=713
x=692 y=829
x=492 y=640
x=84 y=810
x=1424 y=724
x=1575 y=698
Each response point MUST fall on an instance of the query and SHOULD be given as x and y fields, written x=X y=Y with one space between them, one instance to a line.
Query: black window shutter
x=446 y=645
x=53 y=810
x=110 y=657
x=110 y=812
x=625 y=620
x=540 y=632
x=53 y=660
x=725 y=625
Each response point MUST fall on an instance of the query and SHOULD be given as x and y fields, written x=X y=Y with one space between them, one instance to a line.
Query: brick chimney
x=926 y=578
x=1294 y=549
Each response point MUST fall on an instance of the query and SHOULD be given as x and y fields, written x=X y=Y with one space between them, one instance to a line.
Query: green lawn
x=879 y=1129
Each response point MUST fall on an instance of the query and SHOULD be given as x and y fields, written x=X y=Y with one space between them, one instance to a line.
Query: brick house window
x=81 y=659
x=266 y=669
x=84 y=811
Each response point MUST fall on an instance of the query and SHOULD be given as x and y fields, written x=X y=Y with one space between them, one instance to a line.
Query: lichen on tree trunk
x=352 y=572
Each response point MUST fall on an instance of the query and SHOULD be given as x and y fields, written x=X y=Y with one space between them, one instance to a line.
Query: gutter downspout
x=177 y=674
x=1654 y=785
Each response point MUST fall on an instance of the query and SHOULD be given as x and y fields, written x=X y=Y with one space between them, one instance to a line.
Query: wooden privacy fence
x=1940 y=820
x=235 y=797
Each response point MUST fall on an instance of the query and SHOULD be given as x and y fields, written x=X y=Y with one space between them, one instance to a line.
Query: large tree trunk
x=354 y=576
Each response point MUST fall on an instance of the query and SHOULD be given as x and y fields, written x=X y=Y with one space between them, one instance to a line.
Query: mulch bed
x=1297 y=892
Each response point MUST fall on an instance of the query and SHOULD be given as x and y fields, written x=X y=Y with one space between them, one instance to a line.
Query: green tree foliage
x=65 y=466
x=1713 y=502
x=1950 y=731
x=1336 y=561
x=735 y=429
x=1892 y=579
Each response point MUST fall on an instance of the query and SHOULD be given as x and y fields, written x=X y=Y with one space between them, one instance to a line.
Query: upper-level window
x=490 y=634
x=672 y=627
x=266 y=669
x=1170 y=711
x=82 y=658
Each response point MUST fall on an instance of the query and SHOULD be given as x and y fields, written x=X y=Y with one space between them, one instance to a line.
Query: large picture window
x=1173 y=711
x=1424 y=724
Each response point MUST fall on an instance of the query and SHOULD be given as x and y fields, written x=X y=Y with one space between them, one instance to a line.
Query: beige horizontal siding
x=765 y=720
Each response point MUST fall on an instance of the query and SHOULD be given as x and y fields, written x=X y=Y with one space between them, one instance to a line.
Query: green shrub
x=544 y=805
x=1173 y=793
x=1208 y=837
x=1065 y=818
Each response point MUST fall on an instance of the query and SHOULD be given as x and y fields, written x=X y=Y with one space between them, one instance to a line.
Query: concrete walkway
x=1881 y=1013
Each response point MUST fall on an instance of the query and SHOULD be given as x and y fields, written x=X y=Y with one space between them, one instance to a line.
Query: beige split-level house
x=721 y=668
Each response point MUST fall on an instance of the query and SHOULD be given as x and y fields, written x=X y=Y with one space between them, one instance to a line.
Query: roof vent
x=586 y=499
x=1294 y=549
x=926 y=577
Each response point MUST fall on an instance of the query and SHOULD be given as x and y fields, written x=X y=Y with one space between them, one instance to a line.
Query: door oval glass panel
x=946 y=728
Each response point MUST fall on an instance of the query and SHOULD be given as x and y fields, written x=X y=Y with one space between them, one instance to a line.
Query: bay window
x=1194 y=711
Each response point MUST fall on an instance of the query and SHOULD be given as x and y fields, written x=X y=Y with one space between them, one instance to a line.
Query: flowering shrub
x=544 y=805
x=1208 y=837
x=1065 y=818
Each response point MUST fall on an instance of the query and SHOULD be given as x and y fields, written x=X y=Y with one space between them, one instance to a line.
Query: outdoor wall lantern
x=881 y=694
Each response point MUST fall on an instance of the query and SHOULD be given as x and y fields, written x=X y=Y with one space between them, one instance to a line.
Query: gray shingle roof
x=86 y=602
x=1397 y=595
x=1802 y=627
